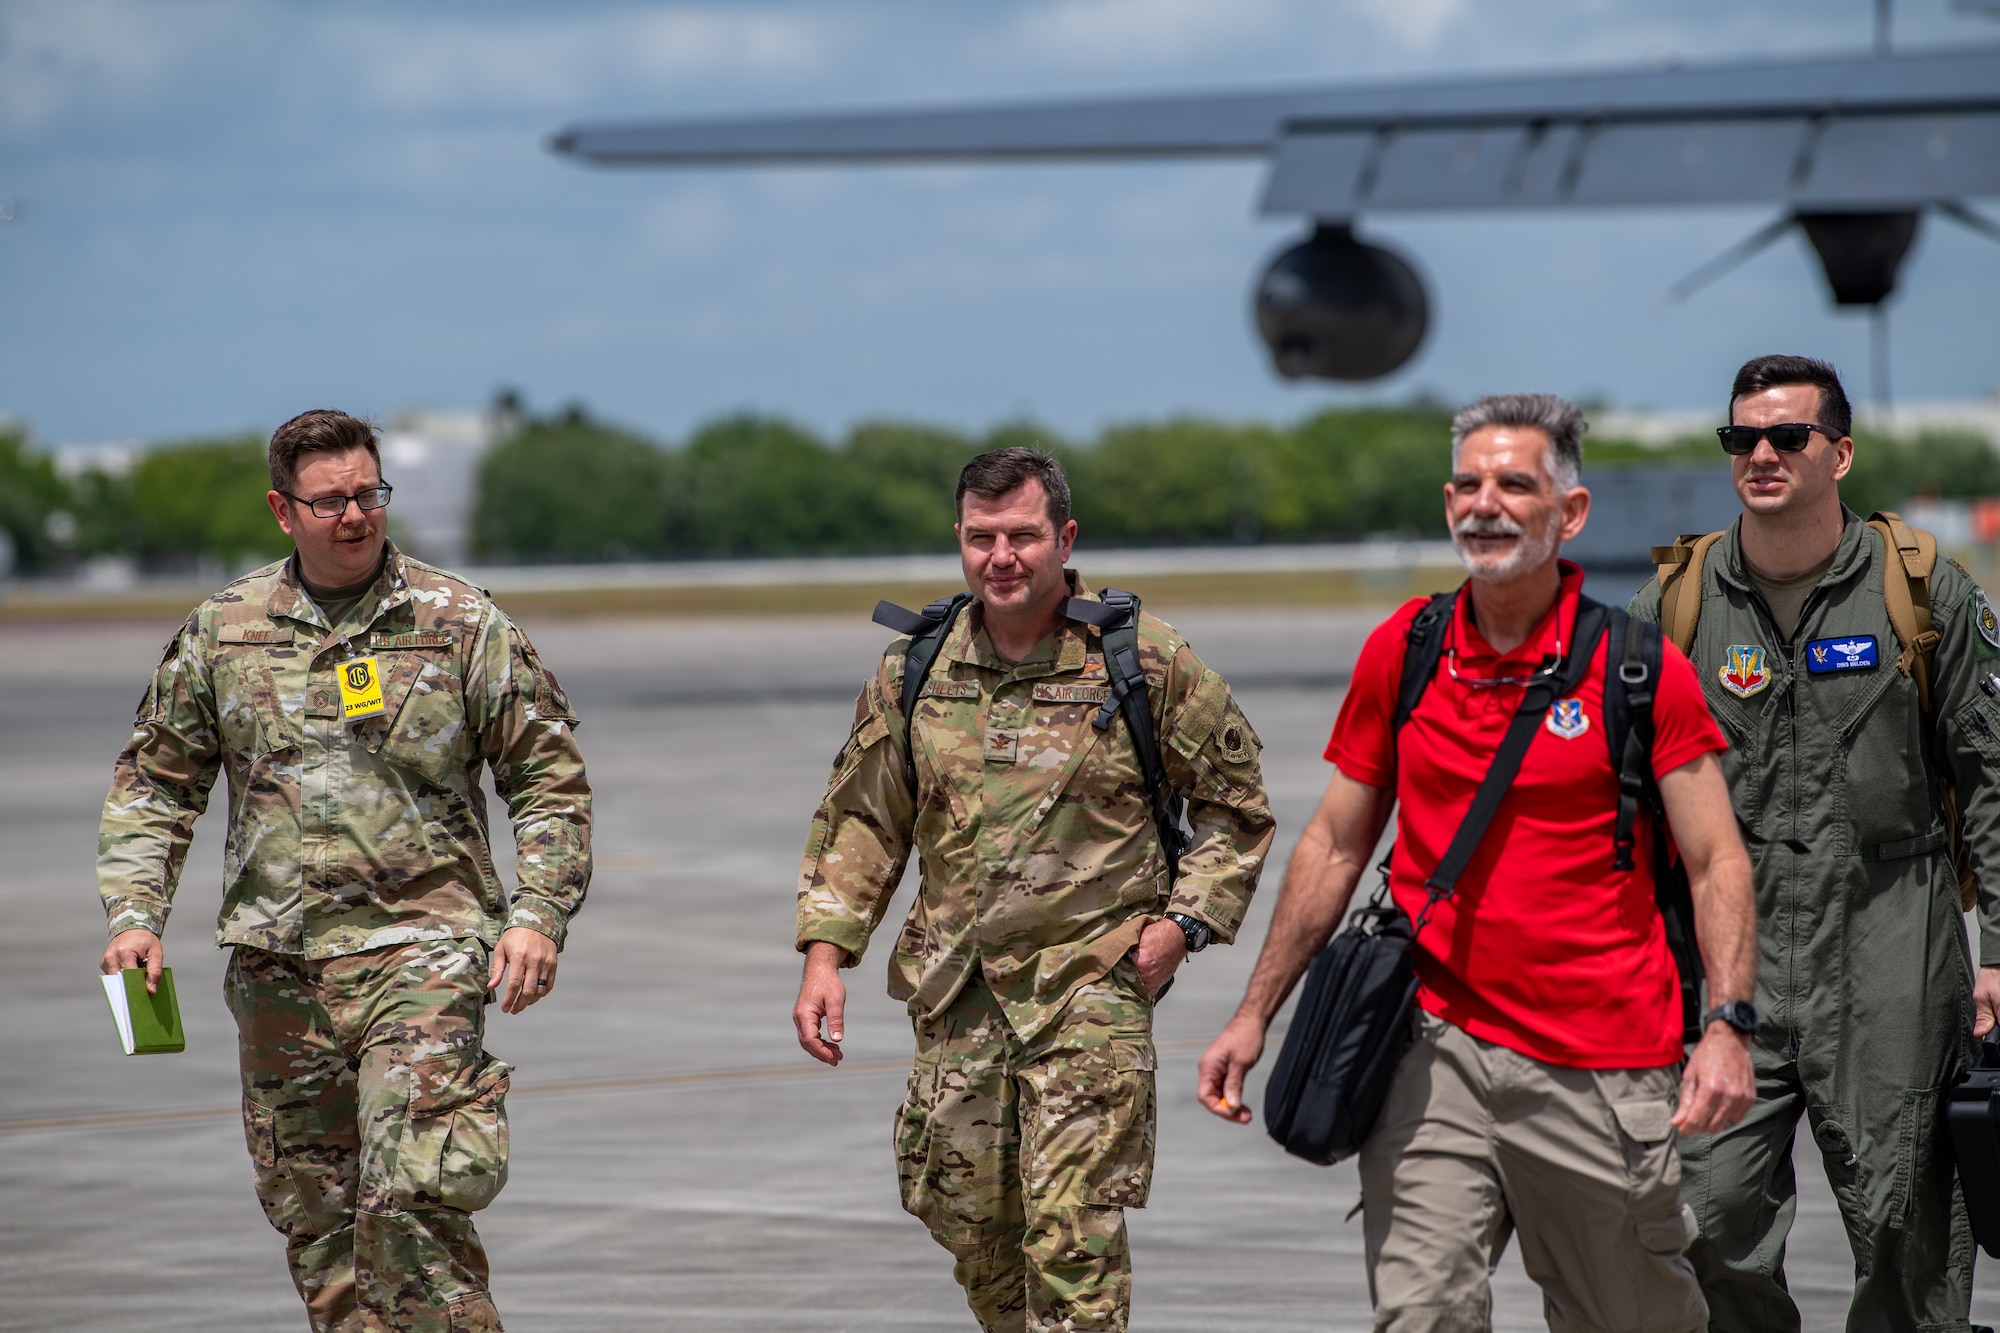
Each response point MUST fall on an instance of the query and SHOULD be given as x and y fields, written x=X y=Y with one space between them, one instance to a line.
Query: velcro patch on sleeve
x=949 y=689
x=1049 y=692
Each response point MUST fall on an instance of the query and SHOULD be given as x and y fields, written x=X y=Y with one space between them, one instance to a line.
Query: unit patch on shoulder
x=950 y=689
x=1235 y=745
x=1854 y=653
x=1744 y=672
x=1988 y=627
x=1567 y=719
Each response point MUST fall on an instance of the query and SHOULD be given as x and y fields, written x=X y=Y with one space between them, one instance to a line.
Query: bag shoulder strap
x=1591 y=619
x=928 y=630
x=1631 y=676
x=1679 y=567
x=1116 y=615
x=1906 y=587
x=1422 y=648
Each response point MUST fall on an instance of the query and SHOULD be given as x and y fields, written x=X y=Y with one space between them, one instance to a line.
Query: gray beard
x=1530 y=552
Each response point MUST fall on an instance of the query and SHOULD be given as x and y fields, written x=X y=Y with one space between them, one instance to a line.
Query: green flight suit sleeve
x=1645 y=603
x=159 y=786
x=1966 y=715
x=865 y=825
x=526 y=731
x=1213 y=756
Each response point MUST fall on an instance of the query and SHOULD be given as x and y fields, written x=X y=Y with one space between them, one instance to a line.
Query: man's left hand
x=527 y=958
x=1162 y=948
x=1985 y=1000
x=1718 y=1087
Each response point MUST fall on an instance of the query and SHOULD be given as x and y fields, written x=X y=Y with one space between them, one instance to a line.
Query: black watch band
x=1197 y=932
x=1739 y=1014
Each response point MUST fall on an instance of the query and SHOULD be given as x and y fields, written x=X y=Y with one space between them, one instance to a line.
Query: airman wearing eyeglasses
x=1845 y=732
x=353 y=696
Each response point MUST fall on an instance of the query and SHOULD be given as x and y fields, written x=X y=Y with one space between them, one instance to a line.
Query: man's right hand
x=822 y=995
x=134 y=948
x=1227 y=1062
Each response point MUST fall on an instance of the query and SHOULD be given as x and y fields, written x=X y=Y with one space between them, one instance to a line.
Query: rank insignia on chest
x=1567 y=719
x=1854 y=653
x=1744 y=672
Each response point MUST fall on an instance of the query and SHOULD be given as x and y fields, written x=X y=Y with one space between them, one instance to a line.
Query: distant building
x=432 y=459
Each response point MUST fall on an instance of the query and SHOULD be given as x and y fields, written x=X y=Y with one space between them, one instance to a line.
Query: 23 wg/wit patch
x=360 y=689
x=1983 y=620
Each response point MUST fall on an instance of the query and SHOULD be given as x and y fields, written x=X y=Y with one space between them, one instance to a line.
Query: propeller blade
x=1730 y=258
x=1964 y=216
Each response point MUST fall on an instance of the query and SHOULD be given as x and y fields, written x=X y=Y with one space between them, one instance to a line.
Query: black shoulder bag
x=1352 y=1026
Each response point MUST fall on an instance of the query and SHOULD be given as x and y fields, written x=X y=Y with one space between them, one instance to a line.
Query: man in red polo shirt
x=1545 y=1086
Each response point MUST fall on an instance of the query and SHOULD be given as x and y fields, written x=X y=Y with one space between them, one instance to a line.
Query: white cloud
x=57 y=52
x=1140 y=32
x=690 y=221
x=552 y=62
x=1416 y=24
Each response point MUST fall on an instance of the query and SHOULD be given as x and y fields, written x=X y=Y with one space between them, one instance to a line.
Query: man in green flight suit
x=1047 y=922
x=352 y=696
x=1866 y=996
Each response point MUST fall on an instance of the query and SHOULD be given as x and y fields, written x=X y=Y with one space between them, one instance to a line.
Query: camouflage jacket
x=1041 y=864
x=348 y=836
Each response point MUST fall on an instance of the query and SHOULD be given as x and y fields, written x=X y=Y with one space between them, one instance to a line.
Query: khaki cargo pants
x=377 y=1126
x=1477 y=1142
x=1021 y=1157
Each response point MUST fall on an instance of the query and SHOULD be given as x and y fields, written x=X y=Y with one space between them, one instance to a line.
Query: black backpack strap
x=1421 y=650
x=927 y=630
x=1591 y=618
x=1628 y=723
x=1629 y=692
x=1117 y=617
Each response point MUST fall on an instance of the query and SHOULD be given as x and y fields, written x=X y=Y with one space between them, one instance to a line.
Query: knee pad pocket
x=453 y=1152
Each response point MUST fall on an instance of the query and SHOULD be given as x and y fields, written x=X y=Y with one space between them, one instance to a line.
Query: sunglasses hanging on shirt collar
x=1549 y=667
x=1789 y=438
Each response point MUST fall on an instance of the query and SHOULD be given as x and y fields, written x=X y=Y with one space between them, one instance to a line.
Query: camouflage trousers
x=1021 y=1157
x=377 y=1126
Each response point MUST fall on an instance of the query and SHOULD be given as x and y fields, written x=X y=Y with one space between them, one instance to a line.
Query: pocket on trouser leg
x=277 y=1193
x=1663 y=1288
x=453 y=1148
x=1122 y=1176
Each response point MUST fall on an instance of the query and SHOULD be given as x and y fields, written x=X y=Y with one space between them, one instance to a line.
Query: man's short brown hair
x=321 y=431
x=999 y=472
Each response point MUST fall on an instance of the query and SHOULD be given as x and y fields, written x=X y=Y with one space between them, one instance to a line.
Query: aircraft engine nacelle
x=1335 y=308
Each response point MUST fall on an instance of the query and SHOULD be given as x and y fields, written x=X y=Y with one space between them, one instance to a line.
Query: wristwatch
x=1197 y=932
x=1739 y=1014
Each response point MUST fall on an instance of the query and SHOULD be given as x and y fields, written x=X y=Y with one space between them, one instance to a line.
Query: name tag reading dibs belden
x=360 y=689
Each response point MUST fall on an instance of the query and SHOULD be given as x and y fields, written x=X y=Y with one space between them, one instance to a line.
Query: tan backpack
x=1909 y=606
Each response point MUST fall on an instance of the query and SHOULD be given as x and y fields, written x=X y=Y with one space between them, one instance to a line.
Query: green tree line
x=569 y=487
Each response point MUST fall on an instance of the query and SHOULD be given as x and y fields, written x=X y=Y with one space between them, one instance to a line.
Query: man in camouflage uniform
x=1865 y=992
x=359 y=894
x=1046 y=925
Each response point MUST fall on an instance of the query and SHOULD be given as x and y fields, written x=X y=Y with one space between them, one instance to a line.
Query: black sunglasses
x=1789 y=438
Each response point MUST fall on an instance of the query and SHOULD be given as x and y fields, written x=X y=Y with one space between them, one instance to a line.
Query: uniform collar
x=289 y=599
x=1556 y=627
x=1850 y=557
x=969 y=643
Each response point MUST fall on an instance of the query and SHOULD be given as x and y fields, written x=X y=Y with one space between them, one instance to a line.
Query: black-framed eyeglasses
x=1787 y=438
x=333 y=506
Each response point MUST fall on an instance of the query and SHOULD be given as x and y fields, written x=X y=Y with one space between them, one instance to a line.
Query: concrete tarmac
x=678 y=1162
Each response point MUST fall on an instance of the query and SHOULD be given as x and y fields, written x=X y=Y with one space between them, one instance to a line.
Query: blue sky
x=230 y=211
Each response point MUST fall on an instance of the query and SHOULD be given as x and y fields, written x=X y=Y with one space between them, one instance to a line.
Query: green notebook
x=147 y=1024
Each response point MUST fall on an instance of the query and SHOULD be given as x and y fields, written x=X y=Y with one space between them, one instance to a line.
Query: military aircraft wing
x=1821 y=132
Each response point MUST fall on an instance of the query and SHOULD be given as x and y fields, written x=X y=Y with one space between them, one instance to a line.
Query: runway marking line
x=681 y=1079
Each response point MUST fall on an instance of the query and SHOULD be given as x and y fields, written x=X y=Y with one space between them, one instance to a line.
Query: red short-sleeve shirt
x=1544 y=948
